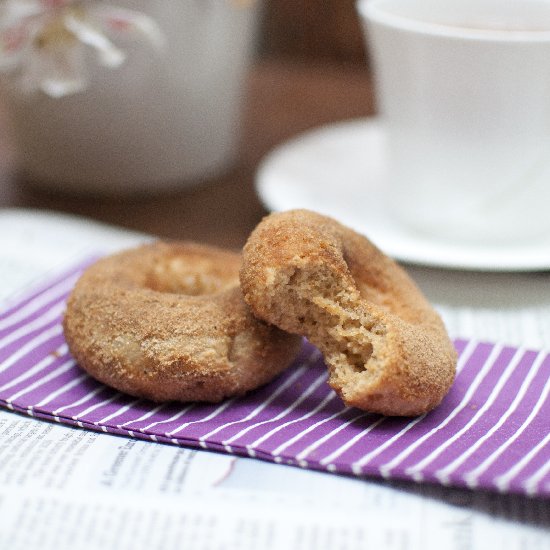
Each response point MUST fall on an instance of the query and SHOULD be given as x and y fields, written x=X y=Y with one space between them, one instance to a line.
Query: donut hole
x=356 y=361
x=190 y=276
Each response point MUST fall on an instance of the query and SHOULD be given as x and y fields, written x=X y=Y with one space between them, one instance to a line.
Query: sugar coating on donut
x=387 y=350
x=167 y=322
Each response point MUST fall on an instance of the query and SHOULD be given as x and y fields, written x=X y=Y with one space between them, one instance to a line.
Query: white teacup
x=464 y=92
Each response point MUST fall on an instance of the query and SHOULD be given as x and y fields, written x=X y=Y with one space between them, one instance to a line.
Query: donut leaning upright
x=386 y=349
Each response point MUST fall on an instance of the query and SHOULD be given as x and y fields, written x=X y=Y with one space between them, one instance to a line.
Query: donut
x=386 y=349
x=167 y=322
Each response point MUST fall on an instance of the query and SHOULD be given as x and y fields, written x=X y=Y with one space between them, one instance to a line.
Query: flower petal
x=124 y=21
x=44 y=40
x=57 y=72
x=12 y=42
x=14 y=12
x=86 y=33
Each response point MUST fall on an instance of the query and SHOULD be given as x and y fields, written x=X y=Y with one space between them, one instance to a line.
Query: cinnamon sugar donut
x=386 y=349
x=167 y=322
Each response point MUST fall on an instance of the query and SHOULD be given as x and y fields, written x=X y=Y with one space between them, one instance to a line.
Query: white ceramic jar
x=160 y=121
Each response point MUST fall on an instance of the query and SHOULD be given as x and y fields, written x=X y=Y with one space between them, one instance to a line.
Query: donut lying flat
x=167 y=322
x=386 y=349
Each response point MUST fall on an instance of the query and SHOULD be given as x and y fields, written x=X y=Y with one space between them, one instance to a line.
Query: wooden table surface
x=283 y=99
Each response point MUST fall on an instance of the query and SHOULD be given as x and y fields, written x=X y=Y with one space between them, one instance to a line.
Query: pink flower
x=43 y=42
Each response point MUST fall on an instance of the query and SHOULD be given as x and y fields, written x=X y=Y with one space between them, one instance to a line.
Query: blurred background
x=310 y=68
x=317 y=32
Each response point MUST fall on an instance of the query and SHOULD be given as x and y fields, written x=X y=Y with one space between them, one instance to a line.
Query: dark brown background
x=313 y=30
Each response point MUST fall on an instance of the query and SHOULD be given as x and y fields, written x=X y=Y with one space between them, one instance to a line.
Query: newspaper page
x=63 y=487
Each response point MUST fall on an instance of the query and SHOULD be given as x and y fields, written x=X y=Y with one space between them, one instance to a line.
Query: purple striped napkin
x=492 y=431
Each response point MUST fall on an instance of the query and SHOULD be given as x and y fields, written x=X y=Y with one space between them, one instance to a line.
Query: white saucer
x=338 y=170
